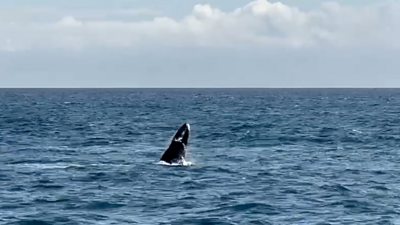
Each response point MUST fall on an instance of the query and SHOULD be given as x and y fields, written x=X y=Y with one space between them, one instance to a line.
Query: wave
x=44 y=166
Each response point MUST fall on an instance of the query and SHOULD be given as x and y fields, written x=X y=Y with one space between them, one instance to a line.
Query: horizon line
x=346 y=87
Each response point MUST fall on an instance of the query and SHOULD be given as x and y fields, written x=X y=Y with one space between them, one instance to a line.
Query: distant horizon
x=155 y=88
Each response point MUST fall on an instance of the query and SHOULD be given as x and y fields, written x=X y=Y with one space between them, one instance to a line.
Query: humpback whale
x=176 y=151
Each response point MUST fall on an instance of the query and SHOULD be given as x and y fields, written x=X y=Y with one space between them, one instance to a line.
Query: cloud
x=260 y=23
x=70 y=21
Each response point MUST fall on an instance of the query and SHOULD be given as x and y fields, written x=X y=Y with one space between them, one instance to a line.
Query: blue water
x=260 y=156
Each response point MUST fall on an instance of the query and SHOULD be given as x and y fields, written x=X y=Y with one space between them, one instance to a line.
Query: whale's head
x=182 y=135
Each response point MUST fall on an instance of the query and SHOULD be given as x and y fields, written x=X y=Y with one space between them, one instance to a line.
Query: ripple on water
x=202 y=221
x=102 y=205
x=32 y=222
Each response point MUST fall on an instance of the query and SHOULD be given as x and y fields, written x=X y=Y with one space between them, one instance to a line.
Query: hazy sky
x=215 y=43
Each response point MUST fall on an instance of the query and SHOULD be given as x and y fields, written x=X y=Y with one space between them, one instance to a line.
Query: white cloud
x=258 y=24
x=70 y=21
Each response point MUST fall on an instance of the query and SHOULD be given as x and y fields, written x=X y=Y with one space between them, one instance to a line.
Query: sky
x=214 y=43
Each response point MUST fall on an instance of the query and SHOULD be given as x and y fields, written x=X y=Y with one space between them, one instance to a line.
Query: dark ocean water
x=272 y=156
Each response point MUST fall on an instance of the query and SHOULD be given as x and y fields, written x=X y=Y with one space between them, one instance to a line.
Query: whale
x=176 y=152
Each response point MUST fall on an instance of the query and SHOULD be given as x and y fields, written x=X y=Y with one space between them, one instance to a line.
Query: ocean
x=259 y=156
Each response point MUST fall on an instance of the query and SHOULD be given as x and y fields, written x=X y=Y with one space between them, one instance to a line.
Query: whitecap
x=44 y=166
x=356 y=131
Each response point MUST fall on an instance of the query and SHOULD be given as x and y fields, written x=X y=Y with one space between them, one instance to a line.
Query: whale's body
x=176 y=152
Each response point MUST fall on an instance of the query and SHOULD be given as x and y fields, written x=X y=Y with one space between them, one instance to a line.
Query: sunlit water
x=278 y=156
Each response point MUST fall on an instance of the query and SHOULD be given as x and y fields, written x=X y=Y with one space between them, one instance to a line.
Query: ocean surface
x=259 y=156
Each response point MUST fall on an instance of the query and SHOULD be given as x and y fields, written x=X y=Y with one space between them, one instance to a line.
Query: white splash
x=180 y=163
